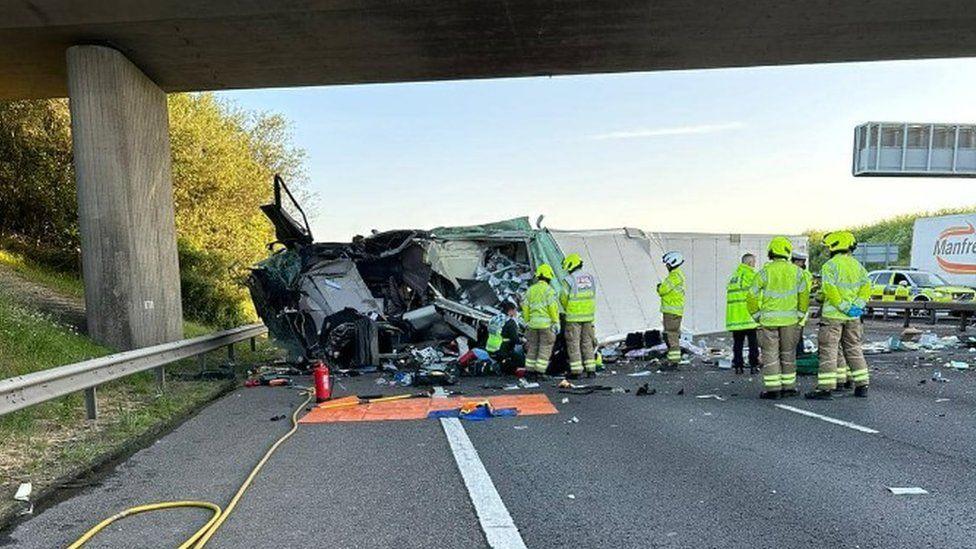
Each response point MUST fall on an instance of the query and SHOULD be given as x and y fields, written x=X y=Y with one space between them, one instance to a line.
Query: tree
x=224 y=159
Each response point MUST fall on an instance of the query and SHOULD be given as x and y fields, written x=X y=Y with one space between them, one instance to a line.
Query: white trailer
x=627 y=265
x=946 y=246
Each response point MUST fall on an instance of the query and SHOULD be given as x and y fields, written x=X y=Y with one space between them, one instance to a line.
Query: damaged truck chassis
x=388 y=297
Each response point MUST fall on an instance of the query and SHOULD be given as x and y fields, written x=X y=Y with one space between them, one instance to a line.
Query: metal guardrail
x=29 y=389
x=965 y=309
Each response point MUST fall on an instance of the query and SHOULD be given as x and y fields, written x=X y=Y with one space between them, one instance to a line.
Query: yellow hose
x=207 y=531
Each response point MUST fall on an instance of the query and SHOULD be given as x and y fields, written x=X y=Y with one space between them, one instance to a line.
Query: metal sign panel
x=883 y=254
x=914 y=149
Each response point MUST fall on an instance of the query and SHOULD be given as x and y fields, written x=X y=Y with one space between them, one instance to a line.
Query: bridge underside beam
x=188 y=45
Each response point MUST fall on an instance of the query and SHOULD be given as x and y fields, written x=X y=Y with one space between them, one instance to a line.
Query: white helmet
x=799 y=255
x=673 y=259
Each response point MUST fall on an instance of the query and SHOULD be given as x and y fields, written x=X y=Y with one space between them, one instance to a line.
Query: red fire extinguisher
x=323 y=382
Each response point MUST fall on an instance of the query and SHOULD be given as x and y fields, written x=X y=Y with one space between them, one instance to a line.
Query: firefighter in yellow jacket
x=540 y=312
x=778 y=299
x=846 y=289
x=672 y=293
x=578 y=298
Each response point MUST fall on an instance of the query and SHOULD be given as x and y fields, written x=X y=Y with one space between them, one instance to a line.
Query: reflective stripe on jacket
x=578 y=296
x=737 y=315
x=540 y=309
x=672 y=292
x=845 y=284
x=779 y=294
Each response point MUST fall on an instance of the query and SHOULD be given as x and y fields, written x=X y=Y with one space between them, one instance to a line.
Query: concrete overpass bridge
x=116 y=59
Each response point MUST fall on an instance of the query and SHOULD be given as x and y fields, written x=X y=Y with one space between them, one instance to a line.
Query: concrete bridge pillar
x=120 y=139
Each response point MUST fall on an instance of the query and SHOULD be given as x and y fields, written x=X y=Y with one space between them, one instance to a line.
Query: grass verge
x=53 y=442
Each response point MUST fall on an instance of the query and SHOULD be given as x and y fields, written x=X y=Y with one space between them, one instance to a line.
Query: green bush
x=210 y=293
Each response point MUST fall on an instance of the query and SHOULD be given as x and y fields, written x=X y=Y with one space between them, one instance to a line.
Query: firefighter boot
x=819 y=394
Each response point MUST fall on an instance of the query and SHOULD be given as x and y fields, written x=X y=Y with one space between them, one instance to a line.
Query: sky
x=755 y=150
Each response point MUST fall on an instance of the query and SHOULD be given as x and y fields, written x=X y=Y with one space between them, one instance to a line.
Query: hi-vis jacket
x=672 y=292
x=737 y=315
x=845 y=284
x=540 y=309
x=779 y=294
x=578 y=296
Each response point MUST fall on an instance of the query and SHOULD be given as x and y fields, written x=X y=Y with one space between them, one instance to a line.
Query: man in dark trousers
x=737 y=317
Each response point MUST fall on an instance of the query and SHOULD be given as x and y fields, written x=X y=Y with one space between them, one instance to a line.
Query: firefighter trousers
x=538 y=349
x=580 y=339
x=672 y=336
x=778 y=344
x=836 y=337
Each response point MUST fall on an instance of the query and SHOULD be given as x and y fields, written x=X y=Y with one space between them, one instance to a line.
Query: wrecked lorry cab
x=360 y=302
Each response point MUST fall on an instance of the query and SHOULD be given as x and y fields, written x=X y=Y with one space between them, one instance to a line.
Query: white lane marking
x=495 y=520
x=829 y=419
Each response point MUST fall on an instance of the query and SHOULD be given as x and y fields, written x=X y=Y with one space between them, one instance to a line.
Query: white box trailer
x=627 y=265
x=946 y=246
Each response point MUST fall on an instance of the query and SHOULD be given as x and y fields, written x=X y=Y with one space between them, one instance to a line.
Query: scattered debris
x=23 y=495
x=941 y=400
x=937 y=376
x=571 y=496
x=645 y=390
x=958 y=365
x=521 y=427
x=279 y=417
x=641 y=373
x=907 y=491
x=716 y=397
x=573 y=419
x=565 y=400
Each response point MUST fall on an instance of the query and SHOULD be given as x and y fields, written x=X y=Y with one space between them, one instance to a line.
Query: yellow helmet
x=545 y=271
x=571 y=262
x=780 y=246
x=840 y=241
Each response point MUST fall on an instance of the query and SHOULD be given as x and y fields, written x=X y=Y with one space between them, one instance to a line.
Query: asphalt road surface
x=665 y=470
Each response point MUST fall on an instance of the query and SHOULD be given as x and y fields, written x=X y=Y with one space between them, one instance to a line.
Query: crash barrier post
x=964 y=309
x=37 y=387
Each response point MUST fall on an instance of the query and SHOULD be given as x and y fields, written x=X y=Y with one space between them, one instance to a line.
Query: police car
x=908 y=284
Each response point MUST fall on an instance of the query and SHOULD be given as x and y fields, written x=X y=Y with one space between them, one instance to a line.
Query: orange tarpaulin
x=418 y=408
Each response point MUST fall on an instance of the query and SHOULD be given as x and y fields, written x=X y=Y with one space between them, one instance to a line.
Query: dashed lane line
x=496 y=522
x=828 y=419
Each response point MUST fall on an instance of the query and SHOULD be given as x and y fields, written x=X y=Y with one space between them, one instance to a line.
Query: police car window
x=928 y=280
x=899 y=278
x=875 y=277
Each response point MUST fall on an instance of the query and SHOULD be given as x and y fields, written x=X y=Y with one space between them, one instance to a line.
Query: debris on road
x=573 y=419
x=937 y=376
x=645 y=390
x=907 y=491
x=23 y=495
x=713 y=396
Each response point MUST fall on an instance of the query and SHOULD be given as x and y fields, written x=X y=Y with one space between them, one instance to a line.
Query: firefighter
x=504 y=342
x=578 y=298
x=846 y=289
x=737 y=317
x=540 y=312
x=672 y=293
x=778 y=298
